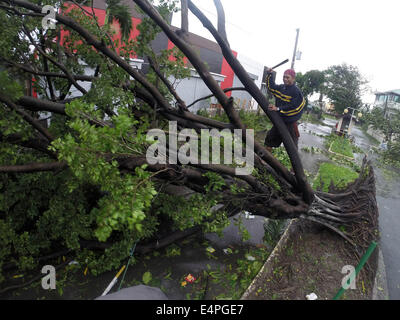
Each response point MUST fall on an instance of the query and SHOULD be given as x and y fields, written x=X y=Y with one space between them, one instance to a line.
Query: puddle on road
x=387 y=181
x=311 y=135
x=315 y=129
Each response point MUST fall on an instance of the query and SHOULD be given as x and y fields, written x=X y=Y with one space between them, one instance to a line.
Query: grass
x=342 y=146
x=339 y=145
x=339 y=176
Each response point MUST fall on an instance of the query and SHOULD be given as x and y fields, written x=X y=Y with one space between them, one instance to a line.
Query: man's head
x=289 y=77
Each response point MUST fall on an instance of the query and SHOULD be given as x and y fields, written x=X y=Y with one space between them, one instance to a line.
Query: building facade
x=389 y=101
x=192 y=88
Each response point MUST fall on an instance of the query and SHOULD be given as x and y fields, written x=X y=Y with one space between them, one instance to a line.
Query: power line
x=226 y=21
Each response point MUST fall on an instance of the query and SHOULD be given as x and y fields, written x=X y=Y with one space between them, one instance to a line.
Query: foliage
x=127 y=196
x=147 y=277
x=172 y=251
x=339 y=145
x=392 y=155
x=252 y=120
x=237 y=277
x=273 y=230
x=92 y=200
x=280 y=153
x=330 y=173
x=344 y=86
x=311 y=82
x=390 y=127
x=187 y=213
x=119 y=12
x=313 y=118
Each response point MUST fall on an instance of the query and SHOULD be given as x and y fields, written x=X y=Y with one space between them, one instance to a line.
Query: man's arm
x=270 y=80
x=295 y=105
x=275 y=89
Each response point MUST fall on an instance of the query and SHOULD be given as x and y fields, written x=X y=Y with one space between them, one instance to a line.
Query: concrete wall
x=376 y=134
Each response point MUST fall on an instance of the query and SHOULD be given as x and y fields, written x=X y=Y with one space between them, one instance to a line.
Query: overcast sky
x=362 y=33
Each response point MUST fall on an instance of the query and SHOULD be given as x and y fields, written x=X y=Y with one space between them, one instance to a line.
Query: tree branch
x=35 y=104
x=302 y=185
x=34 y=167
x=156 y=68
x=211 y=95
x=33 y=122
x=143 y=94
x=184 y=19
x=227 y=103
x=48 y=74
x=37 y=144
x=56 y=63
x=221 y=20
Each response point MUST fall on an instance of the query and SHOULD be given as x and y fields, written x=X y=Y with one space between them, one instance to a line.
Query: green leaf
x=147 y=277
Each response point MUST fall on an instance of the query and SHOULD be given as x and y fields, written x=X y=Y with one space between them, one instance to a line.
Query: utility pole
x=295 y=47
x=386 y=104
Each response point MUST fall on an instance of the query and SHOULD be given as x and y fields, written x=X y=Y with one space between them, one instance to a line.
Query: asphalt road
x=387 y=196
x=388 y=200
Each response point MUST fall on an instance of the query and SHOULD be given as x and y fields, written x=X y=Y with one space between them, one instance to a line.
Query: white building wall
x=193 y=88
x=252 y=67
x=256 y=70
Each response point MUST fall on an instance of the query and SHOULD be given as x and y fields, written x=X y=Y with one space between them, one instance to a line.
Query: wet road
x=311 y=135
x=388 y=200
x=387 y=194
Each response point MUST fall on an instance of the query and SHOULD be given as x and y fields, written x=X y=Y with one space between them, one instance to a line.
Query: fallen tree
x=84 y=183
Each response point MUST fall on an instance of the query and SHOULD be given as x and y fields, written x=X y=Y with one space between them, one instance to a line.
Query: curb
x=339 y=154
x=380 y=287
x=267 y=265
x=380 y=290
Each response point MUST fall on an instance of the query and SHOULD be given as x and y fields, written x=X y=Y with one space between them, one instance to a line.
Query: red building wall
x=225 y=69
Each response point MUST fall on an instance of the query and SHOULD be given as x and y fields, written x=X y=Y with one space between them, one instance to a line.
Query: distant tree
x=344 y=86
x=311 y=82
x=119 y=12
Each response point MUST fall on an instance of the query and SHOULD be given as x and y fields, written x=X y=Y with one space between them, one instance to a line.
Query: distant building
x=389 y=101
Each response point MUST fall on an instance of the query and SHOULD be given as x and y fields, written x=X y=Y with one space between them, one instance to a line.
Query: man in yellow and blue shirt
x=289 y=102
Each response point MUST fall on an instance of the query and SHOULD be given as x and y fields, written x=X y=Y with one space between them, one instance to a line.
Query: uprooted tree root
x=352 y=213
